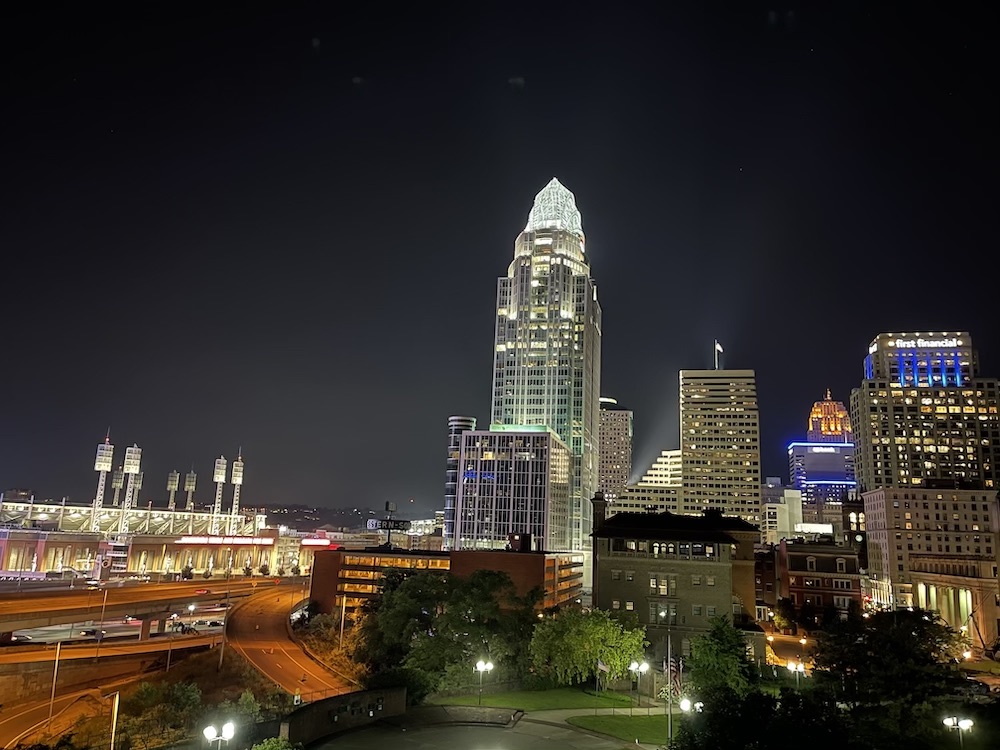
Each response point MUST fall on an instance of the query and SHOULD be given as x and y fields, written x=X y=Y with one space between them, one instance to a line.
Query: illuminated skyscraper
x=616 y=448
x=923 y=416
x=822 y=467
x=456 y=426
x=547 y=361
x=720 y=442
x=829 y=422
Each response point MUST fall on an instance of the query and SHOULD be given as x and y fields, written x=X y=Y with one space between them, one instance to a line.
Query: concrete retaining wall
x=25 y=681
x=332 y=715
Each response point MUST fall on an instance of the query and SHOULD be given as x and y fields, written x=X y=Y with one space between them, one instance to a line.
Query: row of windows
x=658 y=614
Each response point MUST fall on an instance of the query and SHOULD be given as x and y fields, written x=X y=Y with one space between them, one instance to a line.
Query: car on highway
x=129 y=619
x=92 y=632
x=202 y=591
x=215 y=624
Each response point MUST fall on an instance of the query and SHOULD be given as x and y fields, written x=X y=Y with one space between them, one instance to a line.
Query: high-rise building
x=720 y=442
x=456 y=426
x=513 y=480
x=829 y=422
x=924 y=416
x=616 y=448
x=547 y=360
x=665 y=471
x=937 y=549
x=822 y=467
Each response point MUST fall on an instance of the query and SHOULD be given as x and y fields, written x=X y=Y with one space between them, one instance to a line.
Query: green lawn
x=539 y=700
x=647 y=729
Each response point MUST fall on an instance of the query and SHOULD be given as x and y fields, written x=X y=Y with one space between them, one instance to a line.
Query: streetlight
x=638 y=670
x=796 y=668
x=482 y=667
x=687 y=706
x=962 y=725
x=212 y=734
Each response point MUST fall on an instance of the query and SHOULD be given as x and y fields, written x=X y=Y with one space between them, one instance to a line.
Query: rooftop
x=711 y=526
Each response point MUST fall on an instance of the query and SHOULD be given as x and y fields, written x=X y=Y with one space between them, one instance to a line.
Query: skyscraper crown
x=555 y=208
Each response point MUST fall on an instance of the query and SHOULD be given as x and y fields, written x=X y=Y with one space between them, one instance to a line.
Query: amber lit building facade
x=348 y=578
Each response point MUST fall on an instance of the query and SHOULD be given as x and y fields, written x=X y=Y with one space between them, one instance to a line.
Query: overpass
x=147 y=601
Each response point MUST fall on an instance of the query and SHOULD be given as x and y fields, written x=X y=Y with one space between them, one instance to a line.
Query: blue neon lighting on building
x=849 y=482
x=832 y=445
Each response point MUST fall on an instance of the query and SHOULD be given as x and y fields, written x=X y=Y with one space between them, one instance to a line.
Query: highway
x=108 y=648
x=20 y=611
x=258 y=630
x=16 y=722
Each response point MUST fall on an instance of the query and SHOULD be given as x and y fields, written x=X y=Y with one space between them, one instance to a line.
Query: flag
x=718 y=347
x=602 y=667
x=673 y=669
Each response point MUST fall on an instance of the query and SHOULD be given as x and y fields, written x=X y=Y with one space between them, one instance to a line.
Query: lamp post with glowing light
x=482 y=667
x=638 y=670
x=796 y=668
x=212 y=734
x=962 y=725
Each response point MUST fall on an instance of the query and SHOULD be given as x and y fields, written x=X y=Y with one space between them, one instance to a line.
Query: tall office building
x=514 y=480
x=456 y=426
x=822 y=467
x=616 y=448
x=829 y=422
x=547 y=361
x=923 y=416
x=720 y=442
x=665 y=471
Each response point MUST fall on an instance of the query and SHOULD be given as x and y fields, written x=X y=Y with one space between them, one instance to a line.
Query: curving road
x=44 y=608
x=258 y=630
x=109 y=648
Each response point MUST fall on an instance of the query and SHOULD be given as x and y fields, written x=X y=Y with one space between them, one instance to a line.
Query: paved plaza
x=526 y=735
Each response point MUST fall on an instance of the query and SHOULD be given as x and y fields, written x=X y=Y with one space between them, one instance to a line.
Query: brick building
x=818 y=575
x=675 y=572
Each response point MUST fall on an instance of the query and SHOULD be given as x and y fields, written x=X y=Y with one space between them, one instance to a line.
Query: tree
x=898 y=656
x=566 y=648
x=187 y=573
x=719 y=660
x=265 y=569
x=247 y=571
x=296 y=570
x=784 y=614
x=207 y=574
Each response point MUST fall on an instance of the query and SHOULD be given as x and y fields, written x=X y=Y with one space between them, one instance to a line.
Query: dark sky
x=282 y=229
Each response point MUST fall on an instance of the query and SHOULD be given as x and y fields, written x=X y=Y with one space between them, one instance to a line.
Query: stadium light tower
x=173 y=482
x=190 y=483
x=133 y=458
x=237 y=479
x=220 y=481
x=102 y=465
x=117 y=482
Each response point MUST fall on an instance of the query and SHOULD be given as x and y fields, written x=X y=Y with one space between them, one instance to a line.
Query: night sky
x=282 y=229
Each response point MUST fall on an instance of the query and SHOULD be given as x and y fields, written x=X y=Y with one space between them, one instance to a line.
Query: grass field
x=539 y=700
x=647 y=729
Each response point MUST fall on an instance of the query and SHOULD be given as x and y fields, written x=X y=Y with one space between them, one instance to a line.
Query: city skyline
x=275 y=235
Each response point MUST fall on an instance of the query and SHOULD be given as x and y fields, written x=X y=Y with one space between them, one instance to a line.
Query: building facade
x=818 y=577
x=936 y=549
x=348 y=578
x=515 y=479
x=675 y=572
x=457 y=425
x=616 y=448
x=720 y=442
x=924 y=416
x=665 y=471
x=547 y=353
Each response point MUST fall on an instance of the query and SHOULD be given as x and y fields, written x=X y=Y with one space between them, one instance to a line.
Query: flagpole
x=670 y=687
